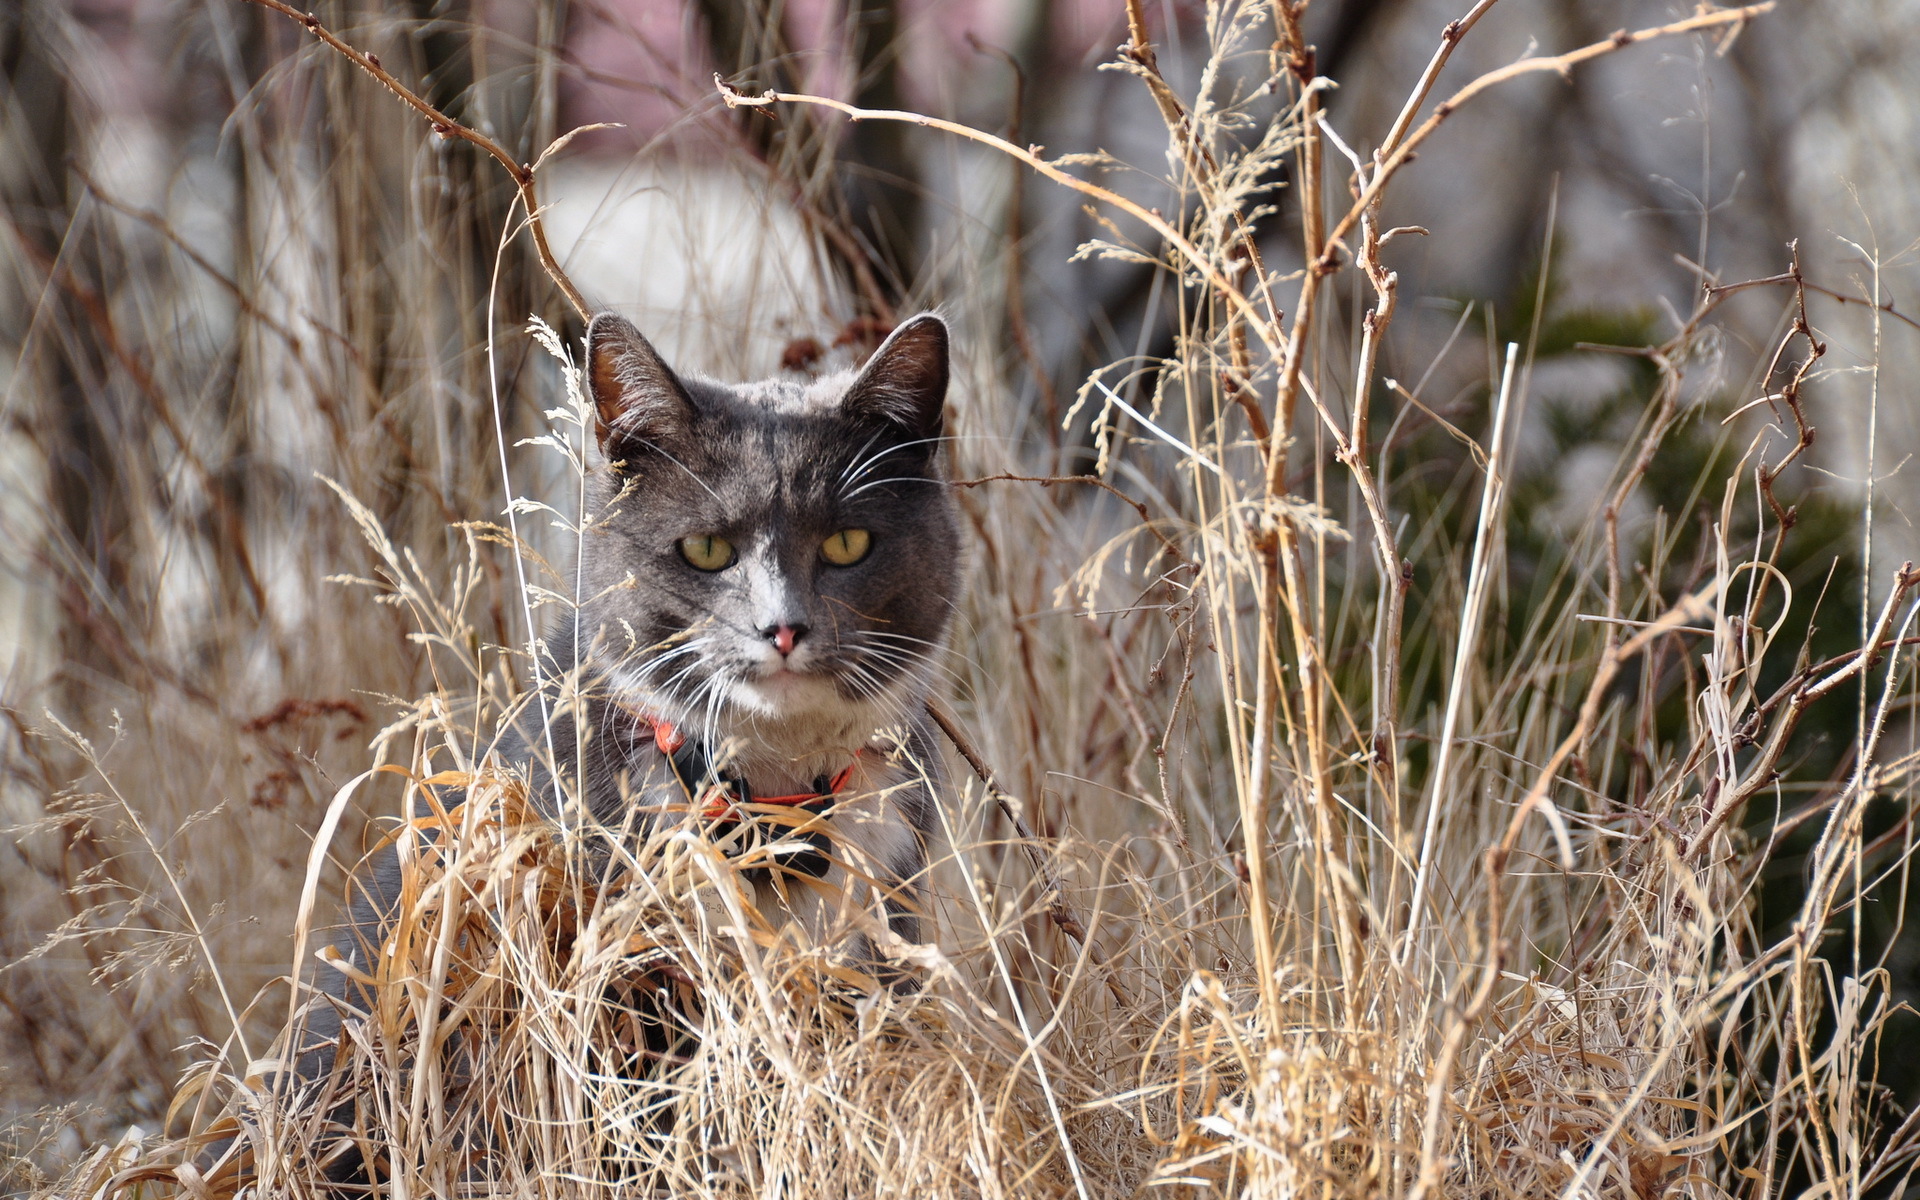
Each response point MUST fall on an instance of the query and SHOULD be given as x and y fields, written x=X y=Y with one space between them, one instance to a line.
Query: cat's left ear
x=637 y=398
x=904 y=384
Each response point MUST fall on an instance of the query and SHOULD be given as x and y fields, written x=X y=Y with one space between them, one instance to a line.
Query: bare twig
x=1058 y=910
x=1196 y=259
x=1146 y=518
x=1795 y=279
x=446 y=127
x=1404 y=152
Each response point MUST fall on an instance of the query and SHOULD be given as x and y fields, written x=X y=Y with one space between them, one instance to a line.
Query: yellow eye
x=847 y=547
x=707 y=552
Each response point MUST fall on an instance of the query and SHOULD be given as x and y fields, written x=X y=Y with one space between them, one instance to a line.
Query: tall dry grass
x=1364 y=863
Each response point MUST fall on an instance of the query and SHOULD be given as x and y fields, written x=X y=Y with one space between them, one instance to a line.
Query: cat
x=767 y=600
x=768 y=586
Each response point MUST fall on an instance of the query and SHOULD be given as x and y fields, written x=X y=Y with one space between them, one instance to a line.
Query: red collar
x=719 y=791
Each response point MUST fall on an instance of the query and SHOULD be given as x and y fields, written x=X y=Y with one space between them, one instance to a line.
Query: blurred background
x=230 y=264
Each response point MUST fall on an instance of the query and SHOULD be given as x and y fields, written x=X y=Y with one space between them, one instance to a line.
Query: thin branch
x=1058 y=910
x=1200 y=262
x=446 y=127
x=1795 y=278
x=1558 y=63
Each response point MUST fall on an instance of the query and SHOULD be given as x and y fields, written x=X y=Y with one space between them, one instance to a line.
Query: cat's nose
x=784 y=637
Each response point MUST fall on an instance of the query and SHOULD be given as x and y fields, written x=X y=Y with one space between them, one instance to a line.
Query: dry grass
x=1394 y=881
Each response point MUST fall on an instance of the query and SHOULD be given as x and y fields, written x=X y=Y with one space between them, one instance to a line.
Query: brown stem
x=1103 y=485
x=1058 y=910
x=1238 y=246
x=1793 y=277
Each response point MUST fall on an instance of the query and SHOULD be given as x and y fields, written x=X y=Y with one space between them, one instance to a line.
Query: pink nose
x=783 y=636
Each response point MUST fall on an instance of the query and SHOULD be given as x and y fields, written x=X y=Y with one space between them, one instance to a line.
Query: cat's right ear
x=904 y=384
x=637 y=399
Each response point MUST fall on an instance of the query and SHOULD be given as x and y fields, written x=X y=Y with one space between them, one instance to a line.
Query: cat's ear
x=904 y=384
x=636 y=397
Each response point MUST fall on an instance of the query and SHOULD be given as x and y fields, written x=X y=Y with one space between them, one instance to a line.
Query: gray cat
x=771 y=580
x=768 y=600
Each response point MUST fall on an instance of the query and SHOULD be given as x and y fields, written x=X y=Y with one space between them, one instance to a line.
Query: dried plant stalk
x=1403 y=893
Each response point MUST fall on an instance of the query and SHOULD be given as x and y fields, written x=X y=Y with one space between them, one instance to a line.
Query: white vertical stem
x=1478 y=585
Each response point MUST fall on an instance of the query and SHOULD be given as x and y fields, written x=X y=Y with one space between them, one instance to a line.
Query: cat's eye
x=847 y=547
x=707 y=552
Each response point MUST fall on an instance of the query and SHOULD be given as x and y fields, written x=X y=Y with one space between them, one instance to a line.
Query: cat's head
x=780 y=556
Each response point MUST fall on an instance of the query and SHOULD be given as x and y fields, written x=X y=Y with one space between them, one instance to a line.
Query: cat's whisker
x=911 y=665
x=858 y=462
x=890 y=706
x=695 y=648
x=719 y=698
x=865 y=487
x=933 y=648
x=903 y=676
x=872 y=462
x=907 y=657
x=868 y=688
x=899 y=637
x=666 y=691
x=663 y=453
x=660 y=651
x=911 y=671
x=651 y=665
x=692 y=647
x=681 y=707
x=881 y=691
x=866 y=464
x=638 y=677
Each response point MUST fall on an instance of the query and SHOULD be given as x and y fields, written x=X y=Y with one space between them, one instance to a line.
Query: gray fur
x=774 y=467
